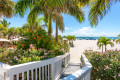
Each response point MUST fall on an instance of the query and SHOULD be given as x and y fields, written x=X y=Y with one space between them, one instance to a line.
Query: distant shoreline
x=94 y=38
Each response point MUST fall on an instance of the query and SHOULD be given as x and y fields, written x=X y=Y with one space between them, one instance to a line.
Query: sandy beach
x=81 y=45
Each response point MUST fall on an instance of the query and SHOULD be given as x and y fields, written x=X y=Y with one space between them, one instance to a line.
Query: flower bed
x=36 y=46
x=106 y=66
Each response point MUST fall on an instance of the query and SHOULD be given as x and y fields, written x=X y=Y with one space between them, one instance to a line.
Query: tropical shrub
x=35 y=46
x=24 y=55
x=2 y=49
x=71 y=39
x=38 y=38
x=13 y=57
x=106 y=66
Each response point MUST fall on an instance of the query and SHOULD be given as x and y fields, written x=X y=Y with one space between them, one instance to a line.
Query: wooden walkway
x=72 y=67
x=75 y=63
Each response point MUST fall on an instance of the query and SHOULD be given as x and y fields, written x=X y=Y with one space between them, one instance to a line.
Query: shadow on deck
x=72 y=67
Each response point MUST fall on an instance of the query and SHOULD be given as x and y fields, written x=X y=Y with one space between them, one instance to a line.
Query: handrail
x=83 y=73
x=50 y=69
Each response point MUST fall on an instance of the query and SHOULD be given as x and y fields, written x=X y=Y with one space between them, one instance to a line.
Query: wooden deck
x=72 y=67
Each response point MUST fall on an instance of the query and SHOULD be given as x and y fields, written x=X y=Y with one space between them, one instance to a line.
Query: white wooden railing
x=84 y=73
x=49 y=69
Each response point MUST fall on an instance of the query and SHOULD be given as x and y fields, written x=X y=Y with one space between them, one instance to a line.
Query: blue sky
x=109 y=26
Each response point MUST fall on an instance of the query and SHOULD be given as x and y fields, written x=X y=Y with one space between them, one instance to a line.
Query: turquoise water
x=94 y=38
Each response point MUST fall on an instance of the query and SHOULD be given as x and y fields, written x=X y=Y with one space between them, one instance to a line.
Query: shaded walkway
x=72 y=67
x=75 y=55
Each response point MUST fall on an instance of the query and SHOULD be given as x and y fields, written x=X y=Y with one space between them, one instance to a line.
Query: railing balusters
x=27 y=75
x=43 y=73
x=39 y=73
x=36 y=73
x=22 y=75
x=48 y=73
x=17 y=72
x=17 y=76
x=46 y=77
x=32 y=74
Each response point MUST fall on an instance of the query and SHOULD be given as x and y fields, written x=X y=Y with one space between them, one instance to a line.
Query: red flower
x=22 y=45
x=30 y=30
x=34 y=38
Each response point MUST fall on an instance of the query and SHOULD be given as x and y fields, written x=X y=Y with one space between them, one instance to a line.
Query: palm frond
x=6 y=8
x=58 y=18
x=22 y=5
x=34 y=14
x=98 y=9
x=118 y=40
x=76 y=12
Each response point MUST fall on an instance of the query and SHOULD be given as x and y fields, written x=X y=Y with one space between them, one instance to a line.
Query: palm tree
x=59 y=24
x=98 y=9
x=118 y=36
x=3 y=31
x=49 y=8
x=71 y=39
x=103 y=41
x=5 y=23
x=44 y=7
x=11 y=32
x=100 y=44
x=37 y=24
x=118 y=40
x=6 y=8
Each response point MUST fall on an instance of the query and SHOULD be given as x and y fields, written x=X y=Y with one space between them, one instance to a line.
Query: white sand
x=82 y=45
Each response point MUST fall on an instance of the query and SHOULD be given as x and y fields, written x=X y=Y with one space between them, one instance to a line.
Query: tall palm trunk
x=49 y=25
x=56 y=33
x=102 y=49
x=105 y=48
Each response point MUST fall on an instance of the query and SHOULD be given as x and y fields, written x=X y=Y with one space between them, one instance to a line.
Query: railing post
x=53 y=71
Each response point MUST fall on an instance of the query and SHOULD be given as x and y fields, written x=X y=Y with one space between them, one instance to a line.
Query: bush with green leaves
x=38 y=38
x=106 y=66
x=71 y=39
x=19 y=56
x=35 y=46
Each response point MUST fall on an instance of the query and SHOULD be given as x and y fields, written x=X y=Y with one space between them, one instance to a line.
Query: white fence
x=84 y=73
x=49 y=69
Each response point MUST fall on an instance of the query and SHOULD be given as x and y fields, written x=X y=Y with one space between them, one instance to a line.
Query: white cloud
x=107 y=34
x=66 y=28
x=87 y=31
x=84 y=30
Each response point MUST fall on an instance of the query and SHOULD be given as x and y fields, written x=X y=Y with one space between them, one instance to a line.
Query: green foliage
x=6 y=8
x=103 y=41
x=38 y=38
x=60 y=38
x=98 y=9
x=19 y=56
x=2 y=50
x=118 y=40
x=5 y=23
x=71 y=39
x=106 y=66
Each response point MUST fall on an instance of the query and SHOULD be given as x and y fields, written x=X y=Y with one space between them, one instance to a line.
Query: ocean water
x=94 y=38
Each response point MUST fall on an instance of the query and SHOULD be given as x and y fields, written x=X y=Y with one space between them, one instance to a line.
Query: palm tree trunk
x=102 y=49
x=56 y=33
x=105 y=48
x=49 y=25
x=72 y=42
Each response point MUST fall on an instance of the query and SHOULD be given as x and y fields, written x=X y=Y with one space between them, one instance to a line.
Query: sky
x=109 y=26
